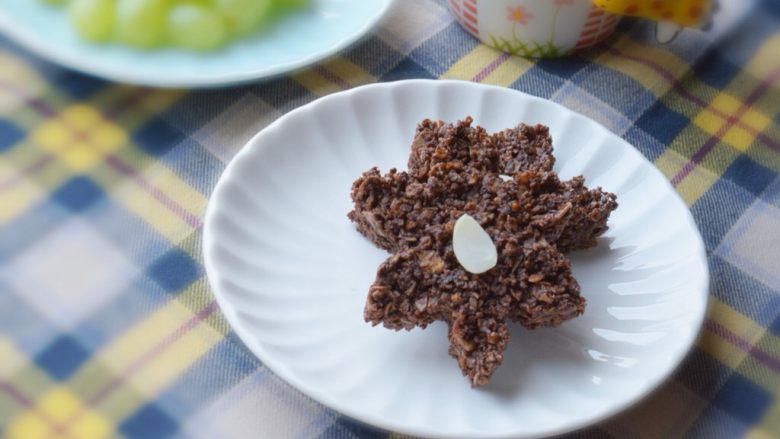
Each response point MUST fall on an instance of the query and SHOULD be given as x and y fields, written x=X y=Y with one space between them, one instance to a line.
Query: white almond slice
x=505 y=177
x=473 y=247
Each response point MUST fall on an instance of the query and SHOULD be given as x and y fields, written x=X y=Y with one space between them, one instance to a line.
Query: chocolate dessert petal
x=478 y=344
x=381 y=206
x=550 y=294
x=589 y=217
x=524 y=148
x=437 y=143
x=404 y=294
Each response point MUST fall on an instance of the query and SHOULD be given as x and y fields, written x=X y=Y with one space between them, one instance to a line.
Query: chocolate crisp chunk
x=456 y=169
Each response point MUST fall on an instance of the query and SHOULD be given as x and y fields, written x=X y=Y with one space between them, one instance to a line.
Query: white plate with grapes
x=187 y=43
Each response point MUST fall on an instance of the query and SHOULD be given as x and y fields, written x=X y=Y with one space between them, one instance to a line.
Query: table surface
x=108 y=327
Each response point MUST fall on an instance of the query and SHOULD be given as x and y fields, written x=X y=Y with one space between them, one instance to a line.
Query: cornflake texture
x=533 y=218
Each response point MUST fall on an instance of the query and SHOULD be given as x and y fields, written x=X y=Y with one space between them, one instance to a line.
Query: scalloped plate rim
x=279 y=369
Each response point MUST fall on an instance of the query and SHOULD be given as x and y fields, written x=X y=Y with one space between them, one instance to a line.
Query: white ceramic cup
x=535 y=28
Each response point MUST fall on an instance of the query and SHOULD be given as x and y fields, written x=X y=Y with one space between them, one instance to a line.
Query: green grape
x=292 y=4
x=192 y=24
x=195 y=27
x=93 y=19
x=243 y=16
x=206 y=3
x=141 y=23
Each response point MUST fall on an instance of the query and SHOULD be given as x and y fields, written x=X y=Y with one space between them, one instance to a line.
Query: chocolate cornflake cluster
x=505 y=181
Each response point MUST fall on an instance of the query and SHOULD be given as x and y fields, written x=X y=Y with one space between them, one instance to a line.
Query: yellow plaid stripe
x=487 y=65
x=332 y=76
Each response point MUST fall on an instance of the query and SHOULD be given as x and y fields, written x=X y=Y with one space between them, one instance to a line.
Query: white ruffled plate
x=291 y=273
x=300 y=39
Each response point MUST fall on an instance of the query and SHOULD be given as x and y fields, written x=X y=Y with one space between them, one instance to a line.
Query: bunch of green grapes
x=189 y=24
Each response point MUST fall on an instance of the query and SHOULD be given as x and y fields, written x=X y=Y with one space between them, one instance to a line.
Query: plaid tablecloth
x=108 y=327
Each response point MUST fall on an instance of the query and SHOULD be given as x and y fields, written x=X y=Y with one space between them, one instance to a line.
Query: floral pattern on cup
x=535 y=28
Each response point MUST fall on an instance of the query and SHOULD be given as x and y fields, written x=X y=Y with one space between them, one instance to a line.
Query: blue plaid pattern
x=108 y=327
